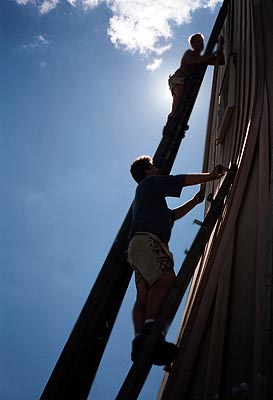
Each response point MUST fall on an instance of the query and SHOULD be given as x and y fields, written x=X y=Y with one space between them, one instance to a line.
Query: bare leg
x=147 y=306
x=177 y=94
x=140 y=307
x=158 y=294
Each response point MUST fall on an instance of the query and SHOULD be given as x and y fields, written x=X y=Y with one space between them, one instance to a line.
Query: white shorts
x=149 y=257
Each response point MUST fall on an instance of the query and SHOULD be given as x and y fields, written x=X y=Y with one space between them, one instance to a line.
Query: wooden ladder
x=78 y=363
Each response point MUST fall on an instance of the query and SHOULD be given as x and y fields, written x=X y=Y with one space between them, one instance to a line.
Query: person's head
x=142 y=167
x=196 y=41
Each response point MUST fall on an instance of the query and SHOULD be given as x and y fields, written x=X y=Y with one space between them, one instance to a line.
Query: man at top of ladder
x=148 y=251
x=191 y=58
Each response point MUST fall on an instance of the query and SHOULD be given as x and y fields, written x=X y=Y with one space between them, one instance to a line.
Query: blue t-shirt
x=150 y=211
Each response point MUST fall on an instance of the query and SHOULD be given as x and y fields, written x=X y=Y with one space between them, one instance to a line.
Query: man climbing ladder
x=148 y=251
x=190 y=60
x=139 y=371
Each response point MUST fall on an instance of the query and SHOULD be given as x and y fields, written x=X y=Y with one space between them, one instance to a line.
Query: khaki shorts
x=149 y=257
x=176 y=80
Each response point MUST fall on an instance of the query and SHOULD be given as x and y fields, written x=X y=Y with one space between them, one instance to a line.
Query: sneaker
x=164 y=352
x=137 y=343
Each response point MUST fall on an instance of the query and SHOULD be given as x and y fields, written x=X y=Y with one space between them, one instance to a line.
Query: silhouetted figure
x=191 y=58
x=148 y=251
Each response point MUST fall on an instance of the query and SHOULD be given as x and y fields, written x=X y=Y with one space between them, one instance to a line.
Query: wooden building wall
x=226 y=333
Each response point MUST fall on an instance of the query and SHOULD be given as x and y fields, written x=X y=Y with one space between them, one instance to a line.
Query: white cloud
x=72 y=2
x=144 y=26
x=44 y=6
x=41 y=39
x=47 y=5
x=39 y=42
x=154 y=65
x=211 y=3
x=90 y=3
x=23 y=2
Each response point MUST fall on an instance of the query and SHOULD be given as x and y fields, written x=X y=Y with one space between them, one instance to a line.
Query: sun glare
x=161 y=93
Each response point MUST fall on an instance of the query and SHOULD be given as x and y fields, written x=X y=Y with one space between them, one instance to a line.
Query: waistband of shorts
x=151 y=235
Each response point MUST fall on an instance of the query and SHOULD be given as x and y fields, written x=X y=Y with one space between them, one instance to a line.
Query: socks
x=149 y=321
x=148 y=324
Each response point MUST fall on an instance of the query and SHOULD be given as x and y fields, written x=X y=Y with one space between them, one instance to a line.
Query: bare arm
x=179 y=212
x=196 y=179
x=193 y=59
x=218 y=58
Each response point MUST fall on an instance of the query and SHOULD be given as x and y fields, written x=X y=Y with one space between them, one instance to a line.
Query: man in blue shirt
x=148 y=251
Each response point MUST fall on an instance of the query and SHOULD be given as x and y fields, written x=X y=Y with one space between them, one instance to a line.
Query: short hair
x=195 y=36
x=139 y=166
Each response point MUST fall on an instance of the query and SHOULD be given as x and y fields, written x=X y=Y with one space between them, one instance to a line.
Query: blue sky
x=83 y=92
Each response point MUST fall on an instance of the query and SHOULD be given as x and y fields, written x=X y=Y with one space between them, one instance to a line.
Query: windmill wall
x=226 y=332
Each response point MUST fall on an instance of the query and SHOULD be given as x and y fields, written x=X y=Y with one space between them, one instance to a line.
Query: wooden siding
x=226 y=332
